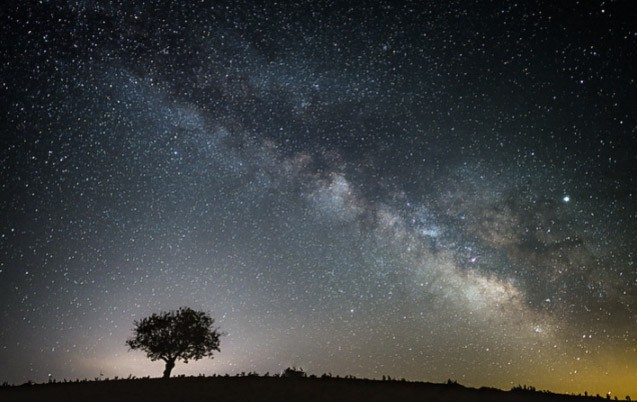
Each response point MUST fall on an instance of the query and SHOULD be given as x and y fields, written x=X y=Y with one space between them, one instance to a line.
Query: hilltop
x=266 y=389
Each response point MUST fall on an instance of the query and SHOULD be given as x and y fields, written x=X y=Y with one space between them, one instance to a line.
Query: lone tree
x=183 y=334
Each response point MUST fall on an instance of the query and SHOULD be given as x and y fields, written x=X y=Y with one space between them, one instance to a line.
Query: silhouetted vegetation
x=183 y=334
x=523 y=388
x=453 y=383
x=293 y=372
x=270 y=387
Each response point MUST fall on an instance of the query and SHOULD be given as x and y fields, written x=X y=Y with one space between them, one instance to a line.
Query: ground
x=248 y=388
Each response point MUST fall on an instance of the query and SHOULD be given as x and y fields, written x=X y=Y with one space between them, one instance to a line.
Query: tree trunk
x=170 y=364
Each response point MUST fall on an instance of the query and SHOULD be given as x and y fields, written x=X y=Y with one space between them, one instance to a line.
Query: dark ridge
x=285 y=387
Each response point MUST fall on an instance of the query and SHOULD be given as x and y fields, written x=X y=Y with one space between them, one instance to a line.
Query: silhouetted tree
x=183 y=334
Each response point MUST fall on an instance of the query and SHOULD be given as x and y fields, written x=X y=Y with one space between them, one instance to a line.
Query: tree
x=183 y=334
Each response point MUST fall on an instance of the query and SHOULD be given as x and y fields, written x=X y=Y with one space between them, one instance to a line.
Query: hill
x=253 y=388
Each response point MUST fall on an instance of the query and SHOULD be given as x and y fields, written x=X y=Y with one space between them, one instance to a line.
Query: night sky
x=427 y=190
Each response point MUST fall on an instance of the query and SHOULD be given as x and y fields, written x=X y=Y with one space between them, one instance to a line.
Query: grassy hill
x=253 y=388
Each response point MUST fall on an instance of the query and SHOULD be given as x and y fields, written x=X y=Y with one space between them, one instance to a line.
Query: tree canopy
x=183 y=334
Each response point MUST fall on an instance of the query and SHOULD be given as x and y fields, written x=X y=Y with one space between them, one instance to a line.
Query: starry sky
x=427 y=190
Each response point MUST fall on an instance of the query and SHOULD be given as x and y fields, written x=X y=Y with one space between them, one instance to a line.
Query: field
x=252 y=388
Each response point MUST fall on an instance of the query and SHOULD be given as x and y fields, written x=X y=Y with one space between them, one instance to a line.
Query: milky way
x=427 y=191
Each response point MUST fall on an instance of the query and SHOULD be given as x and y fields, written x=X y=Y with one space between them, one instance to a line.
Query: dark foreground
x=221 y=389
